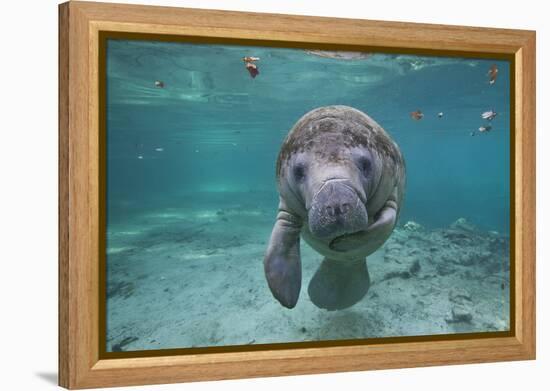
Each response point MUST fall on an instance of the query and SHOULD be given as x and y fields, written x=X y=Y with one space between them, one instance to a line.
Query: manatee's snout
x=336 y=210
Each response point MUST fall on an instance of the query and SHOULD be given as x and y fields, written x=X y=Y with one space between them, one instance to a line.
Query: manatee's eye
x=365 y=165
x=299 y=172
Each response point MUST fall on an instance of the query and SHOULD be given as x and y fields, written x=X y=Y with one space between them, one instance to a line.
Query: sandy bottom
x=193 y=277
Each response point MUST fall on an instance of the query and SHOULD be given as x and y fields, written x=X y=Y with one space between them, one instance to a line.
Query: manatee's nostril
x=337 y=209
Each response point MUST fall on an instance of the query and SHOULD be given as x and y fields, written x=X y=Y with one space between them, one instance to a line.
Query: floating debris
x=251 y=67
x=486 y=128
x=489 y=115
x=159 y=84
x=140 y=157
x=417 y=115
x=339 y=55
x=493 y=72
x=440 y=114
x=159 y=149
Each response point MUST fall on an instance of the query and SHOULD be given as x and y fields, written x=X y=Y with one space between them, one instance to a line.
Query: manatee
x=341 y=180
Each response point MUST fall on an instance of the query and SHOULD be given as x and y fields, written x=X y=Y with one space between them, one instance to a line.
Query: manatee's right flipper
x=282 y=265
x=339 y=284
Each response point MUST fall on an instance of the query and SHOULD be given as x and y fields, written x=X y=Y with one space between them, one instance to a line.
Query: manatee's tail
x=337 y=284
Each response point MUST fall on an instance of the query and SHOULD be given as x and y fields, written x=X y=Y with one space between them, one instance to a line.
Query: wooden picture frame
x=81 y=363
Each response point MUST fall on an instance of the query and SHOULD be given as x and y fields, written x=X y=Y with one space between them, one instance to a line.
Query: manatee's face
x=333 y=184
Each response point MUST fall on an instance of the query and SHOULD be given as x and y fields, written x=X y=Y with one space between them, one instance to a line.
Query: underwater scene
x=246 y=186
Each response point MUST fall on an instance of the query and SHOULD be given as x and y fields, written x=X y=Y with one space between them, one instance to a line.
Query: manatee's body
x=341 y=180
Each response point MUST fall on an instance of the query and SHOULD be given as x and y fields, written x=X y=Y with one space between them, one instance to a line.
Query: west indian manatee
x=341 y=181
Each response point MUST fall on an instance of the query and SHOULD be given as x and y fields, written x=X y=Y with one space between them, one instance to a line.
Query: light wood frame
x=80 y=24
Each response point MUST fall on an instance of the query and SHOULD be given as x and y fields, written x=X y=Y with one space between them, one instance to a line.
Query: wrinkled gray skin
x=341 y=180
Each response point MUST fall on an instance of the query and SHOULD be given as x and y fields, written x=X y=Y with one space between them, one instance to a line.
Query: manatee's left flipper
x=282 y=264
x=384 y=221
x=375 y=235
x=339 y=284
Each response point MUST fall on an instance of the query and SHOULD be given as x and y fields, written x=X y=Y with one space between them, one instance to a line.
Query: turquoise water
x=191 y=194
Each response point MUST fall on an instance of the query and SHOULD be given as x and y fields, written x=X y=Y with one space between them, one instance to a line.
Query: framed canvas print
x=258 y=195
